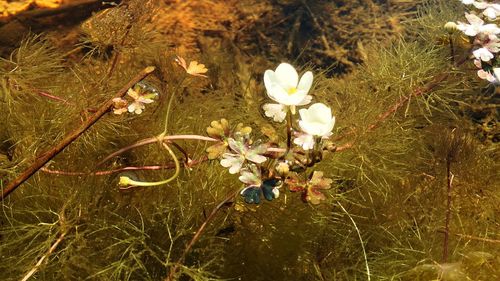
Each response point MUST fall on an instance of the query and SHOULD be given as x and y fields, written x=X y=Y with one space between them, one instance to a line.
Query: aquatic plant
x=405 y=185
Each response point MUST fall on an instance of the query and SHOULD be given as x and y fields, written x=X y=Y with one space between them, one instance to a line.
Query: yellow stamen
x=292 y=91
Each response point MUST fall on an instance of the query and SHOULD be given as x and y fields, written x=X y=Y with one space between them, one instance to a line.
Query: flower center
x=292 y=91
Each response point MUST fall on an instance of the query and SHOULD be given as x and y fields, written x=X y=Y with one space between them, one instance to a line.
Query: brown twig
x=56 y=98
x=44 y=257
x=44 y=158
x=197 y=235
x=403 y=100
x=114 y=171
x=153 y=140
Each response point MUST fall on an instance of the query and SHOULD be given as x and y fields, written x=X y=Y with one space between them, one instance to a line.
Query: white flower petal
x=305 y=82
x=235 y=146
x=278 y=94
x=483 y=54
x=275 y=111
x=276 y=192
x=317 y=120
x=286 y=76
x=235 y=168
x=256 y=158
x=136 y=107
x=306 y=100
x=306 y=141
x=473 y=19
x=269 y=80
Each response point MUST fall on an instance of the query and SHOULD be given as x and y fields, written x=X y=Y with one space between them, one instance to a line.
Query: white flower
x=284 y=87
x=467 y=2
x=139 y=100
x=317 y=120
x=234 y=161
x=491 y=77
x=490 y=44
x=251 y=176
x=476 y=25
x=306 y=141
x=276 y=111
x=492 y=11
x=483 y=53
x=119 y=106
x=485 y=75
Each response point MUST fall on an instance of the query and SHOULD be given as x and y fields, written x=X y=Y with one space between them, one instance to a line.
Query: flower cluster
x=284 y=87
x=484 y=37
x=240 y=154
x=142 y=93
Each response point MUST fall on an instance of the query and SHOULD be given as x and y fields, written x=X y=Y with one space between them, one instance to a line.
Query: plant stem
x=44 y=257
x=288 y=132
x=170 y=104
x=449 y=179
x=156 y=139
x=134 y=183
x=47 y=156
x=368 y=275
x=452 y=49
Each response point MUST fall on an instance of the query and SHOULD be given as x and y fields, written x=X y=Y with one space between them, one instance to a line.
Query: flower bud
x=450 y=26
x=282 y=169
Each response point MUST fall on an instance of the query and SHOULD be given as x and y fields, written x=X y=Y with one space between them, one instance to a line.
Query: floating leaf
x=219 y=129
x=194 y=68
x=314 y=187
x=294 y=184
x=251 y=195
x=217 y=150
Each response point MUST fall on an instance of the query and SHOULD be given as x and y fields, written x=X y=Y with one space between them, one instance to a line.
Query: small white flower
x=284 y=86
x=483 y=53
x=485 y=75
x=476 y=25
x=317 y=120
x=119 y=106
x=251 y=176
x=139 y=100
x=275 y=111
x=492 y=11
x=234 y=161
x=304 y=140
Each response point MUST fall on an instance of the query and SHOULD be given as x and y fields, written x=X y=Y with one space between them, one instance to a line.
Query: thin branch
x=197 y=235
x=118 y=170
x=156 y=139
x=47 y=156
x=44 y=257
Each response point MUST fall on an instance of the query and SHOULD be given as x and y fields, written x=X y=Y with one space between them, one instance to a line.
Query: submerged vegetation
x=407 y=182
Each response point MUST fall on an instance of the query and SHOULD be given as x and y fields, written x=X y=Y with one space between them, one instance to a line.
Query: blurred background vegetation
x=385 y=215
